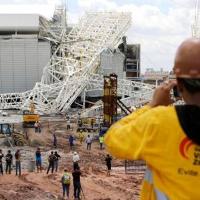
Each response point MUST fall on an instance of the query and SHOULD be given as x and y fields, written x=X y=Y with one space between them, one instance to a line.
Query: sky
x=158 y=25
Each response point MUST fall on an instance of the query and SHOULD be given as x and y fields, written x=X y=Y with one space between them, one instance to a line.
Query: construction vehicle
x=19 y=139
x=88 y=124
x=29 y=117
x=6 y=128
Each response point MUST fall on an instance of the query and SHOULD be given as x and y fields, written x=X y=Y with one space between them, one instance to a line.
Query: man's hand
x=161 y=96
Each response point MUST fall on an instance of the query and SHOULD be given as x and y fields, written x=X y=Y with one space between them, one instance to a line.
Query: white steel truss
x=125 y=87
x=69 y=70
x=134 y=94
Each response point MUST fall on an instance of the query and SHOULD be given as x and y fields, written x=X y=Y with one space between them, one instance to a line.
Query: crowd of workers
x=81 y=137
x=53 y=161
x=9 y=162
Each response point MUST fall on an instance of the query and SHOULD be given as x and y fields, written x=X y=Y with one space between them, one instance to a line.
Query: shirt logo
x=184 y=147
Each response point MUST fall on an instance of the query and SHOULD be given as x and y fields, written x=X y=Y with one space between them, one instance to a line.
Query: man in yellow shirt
x=81 y=136
x=167 y=137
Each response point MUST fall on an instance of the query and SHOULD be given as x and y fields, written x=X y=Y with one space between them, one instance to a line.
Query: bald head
x=187 y=60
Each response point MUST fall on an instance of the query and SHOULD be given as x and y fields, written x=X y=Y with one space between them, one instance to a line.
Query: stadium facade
x=23 y=54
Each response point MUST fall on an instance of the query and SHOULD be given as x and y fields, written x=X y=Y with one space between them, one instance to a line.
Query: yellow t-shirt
x=81 y=135
x=155 y=135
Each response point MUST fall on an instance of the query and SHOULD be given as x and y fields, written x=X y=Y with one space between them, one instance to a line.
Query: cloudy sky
x=158 y=25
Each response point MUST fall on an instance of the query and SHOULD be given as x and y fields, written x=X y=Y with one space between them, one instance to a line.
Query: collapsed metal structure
x=73 y=65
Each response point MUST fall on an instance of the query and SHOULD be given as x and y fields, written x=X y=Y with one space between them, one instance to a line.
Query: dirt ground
x=96 y=185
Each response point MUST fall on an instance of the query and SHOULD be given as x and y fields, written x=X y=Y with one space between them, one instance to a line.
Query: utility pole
x=196 y=25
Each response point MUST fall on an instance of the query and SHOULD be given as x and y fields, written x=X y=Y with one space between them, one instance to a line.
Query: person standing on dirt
x=9 y=160
x=80 y=123
x=39 y=127
x=166 y=136
x=108 y=160
x=68 y=124
x=76 y=160
x=71 y=142
x=38 y=159
x=77 y=182
x=81 y=136
x=1 y=162
x=36 y=127
x=67 y=117
x=66 y=180
x=51 y=160
x=57 y=158
x=54 y=141
x=101 y=140
x=89 y=142
x=92 y=123
x=18 y=162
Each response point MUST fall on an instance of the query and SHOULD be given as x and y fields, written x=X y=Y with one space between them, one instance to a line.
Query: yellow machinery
x=29 y=118
x=19 y=139
x=88 y=121
x=110 y=99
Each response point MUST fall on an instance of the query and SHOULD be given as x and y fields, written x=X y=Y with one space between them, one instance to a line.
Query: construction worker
x=1 y=162
x=51 y=160
x=165 y=136
x=80 y=123
x=67 y=117
x=57 y=158
x=76 y=160
x=101 y=140
x=65 y=180
x=9 y=160
x=18 y=162
x=81 y=136
x=68 y=124
x=38 y=160
x=54 y=141
x=88 y=142
x=76 y=182
x=39 y=127
x=92 y=123
x=71 y=142
x=36 y=127
x=108 y=160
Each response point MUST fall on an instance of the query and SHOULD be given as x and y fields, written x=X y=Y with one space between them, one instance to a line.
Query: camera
x=176 y=93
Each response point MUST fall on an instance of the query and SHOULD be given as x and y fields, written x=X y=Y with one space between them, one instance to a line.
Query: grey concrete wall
x=21 y=63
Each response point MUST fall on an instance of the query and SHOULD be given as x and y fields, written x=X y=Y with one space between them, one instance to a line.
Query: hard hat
x=75 y=153
x=187 y=60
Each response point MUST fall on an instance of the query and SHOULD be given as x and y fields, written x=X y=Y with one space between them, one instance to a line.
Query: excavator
x=29 y=117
